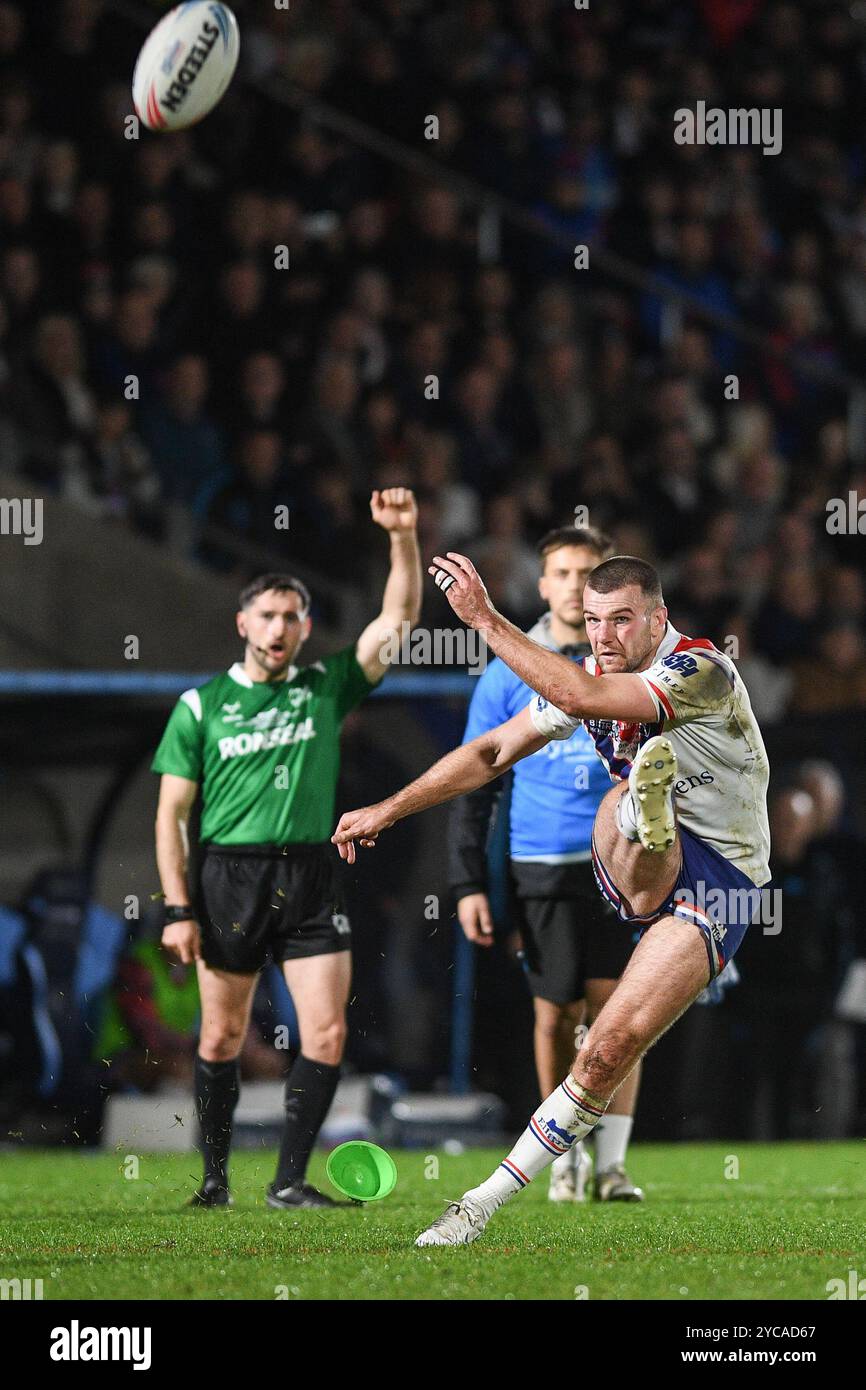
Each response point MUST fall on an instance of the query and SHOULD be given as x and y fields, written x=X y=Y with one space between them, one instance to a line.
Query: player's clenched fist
x=183 y=940
x=467 y=593
x=394 y=509
x=362 y=825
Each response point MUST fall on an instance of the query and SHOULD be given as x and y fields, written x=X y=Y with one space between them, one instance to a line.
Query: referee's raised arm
x=396 y=511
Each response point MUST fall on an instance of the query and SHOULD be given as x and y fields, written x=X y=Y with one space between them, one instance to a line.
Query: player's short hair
x=590 y=536
x=281 y=584
x=620 y=571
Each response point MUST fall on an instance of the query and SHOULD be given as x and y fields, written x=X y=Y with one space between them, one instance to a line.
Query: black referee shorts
x=256 y=902
x=569 y=933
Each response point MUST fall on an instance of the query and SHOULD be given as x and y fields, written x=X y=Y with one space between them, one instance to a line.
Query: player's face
x=622 y=631
x=274 y=628
x=562 y=582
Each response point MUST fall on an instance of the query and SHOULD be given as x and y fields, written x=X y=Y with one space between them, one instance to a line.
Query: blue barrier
x=171 y=683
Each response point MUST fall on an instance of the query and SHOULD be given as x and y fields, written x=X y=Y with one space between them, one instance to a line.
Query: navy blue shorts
x=710 y=892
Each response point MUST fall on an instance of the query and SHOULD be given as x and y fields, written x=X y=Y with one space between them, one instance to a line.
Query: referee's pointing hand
x=362 y=825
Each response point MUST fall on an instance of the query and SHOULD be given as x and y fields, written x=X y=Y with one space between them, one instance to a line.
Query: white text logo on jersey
x=267 y=718
x=272 y=729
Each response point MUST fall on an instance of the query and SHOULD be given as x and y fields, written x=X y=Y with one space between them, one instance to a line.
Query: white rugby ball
x=185 y=65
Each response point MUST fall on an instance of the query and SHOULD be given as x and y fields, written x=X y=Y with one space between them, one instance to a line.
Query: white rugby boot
x=569 y=1182
x=650 y=782
x=460 y=1223
x=562 y=1178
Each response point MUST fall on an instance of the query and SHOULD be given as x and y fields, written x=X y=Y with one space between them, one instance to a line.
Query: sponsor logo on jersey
x=625 y=737
x=272 y=718
x=684 y=785
x=267 y=719
x=681 y=662
x=259 y=740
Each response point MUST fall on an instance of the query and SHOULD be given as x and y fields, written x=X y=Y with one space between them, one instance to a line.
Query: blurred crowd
x=164 y=365
x=798 y=1023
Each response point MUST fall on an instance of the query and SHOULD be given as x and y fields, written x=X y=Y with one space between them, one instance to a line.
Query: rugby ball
x=185 y=65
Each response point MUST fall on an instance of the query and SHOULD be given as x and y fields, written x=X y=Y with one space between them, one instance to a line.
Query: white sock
x=625 y=817
x=567 y=1115
x=611 y=1141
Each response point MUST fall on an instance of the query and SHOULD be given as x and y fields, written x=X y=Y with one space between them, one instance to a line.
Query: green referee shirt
x=267 y=754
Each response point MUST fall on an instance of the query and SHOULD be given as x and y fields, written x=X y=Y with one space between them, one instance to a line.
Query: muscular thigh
x=643 y=879
x=667 y=970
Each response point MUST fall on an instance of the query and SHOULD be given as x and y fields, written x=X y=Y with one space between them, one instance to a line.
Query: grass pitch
x=794 y=1218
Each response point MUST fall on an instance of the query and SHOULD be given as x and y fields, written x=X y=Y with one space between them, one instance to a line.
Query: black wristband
x=177 y=914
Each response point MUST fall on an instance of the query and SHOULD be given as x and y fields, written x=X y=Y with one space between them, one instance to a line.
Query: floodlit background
x=694 y=381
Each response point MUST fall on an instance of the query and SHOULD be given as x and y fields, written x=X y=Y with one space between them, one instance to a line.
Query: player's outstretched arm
x=465 y=768
x=396 y=511
x=555 y=677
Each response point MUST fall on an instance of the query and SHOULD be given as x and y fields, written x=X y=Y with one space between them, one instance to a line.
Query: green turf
x=793 y=1219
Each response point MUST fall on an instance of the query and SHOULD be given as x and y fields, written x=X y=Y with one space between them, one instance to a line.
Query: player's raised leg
x=636 y=848
x=226 y=1001
x=319 y=986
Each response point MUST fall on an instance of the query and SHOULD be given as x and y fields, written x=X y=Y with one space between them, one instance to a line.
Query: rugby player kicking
x=261 y=744
x=671 y=719
x=574 y=948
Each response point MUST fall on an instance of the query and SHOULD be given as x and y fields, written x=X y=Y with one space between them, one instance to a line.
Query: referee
x=261 y=742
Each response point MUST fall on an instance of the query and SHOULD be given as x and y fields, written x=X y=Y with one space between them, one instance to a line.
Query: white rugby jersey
x=704 y=708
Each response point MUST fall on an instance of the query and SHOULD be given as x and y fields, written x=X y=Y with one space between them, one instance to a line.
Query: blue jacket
x=555 y=792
